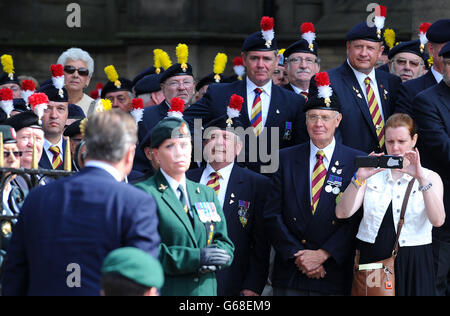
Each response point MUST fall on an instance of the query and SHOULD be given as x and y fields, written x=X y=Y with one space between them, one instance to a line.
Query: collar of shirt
x=105 y=166
x=328 y=151
x=251 y=88
x=362 y=76
x=174 y=184
x=438 y=76
x=47 y=146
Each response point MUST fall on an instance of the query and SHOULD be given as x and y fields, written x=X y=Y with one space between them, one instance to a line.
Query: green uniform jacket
x=179 y=251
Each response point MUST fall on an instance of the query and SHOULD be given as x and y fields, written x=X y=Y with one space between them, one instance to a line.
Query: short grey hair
x=109 y=135
x=77 y=54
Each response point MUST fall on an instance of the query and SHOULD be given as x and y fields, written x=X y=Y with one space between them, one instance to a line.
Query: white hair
x=77 y=54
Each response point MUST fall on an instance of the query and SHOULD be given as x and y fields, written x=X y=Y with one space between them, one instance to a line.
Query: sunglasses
x=16 y=154
x=81 y=71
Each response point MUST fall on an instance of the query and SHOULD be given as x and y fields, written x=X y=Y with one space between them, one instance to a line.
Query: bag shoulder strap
x=402 y=216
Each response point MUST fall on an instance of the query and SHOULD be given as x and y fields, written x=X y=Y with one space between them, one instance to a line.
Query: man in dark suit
x=363 y=117
x=240 y=192
x=431 y=109
x=66 y=228
x=438 y=35
x=53 y=123
x=272 y=114
x=313 y=249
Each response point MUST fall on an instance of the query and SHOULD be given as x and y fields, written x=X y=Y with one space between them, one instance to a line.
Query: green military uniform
x=181 y=240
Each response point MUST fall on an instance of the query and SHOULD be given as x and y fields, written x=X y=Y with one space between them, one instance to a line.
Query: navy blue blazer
x=152 y=116
x=250 y=266
x=432 y=112
x=79 y=220
x=45 y=163
x=356 y=129
x=410 y=89
x=285 y=106
x=291 y=226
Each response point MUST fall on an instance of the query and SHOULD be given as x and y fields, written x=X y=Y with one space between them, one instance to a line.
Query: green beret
x=136 y=265
x=170 y=127
x=9 y=134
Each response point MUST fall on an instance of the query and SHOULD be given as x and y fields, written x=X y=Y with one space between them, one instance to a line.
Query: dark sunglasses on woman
x=16 y=154
x=81 y=71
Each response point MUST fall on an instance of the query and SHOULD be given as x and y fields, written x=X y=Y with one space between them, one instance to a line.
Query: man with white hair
x=78 y=71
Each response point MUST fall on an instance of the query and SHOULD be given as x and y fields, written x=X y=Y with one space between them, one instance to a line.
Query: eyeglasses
x=315 y=118
x=16 y=154
x=299 y=60
x=81 y=71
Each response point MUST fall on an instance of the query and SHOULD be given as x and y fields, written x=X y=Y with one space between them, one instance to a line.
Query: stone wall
x=124 y=33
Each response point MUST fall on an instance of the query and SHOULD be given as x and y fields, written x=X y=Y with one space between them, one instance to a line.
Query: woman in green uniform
x=194 y=241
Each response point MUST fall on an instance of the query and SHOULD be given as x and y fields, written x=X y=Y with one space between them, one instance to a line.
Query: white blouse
x=381 y=190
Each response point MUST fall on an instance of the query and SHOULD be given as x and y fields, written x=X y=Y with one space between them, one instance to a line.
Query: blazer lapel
x=234 y=188
x=353 y=86
x=169 y=197
x=383 y=88
x=302 y=184
x=273 y=107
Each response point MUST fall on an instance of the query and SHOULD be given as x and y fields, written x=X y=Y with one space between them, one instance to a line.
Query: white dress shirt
x=361 y=77
x=381 y=190
x=438 y=76
x=47 y=146
x=105 y=166
x=265 y=99
x=328 y=151
x=298 y=90
x=225 y=174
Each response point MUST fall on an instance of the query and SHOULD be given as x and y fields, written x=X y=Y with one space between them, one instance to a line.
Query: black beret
x=209 y=79
x=176 y=70
x=407 y=47
x=5 y=79
x=20 y=105
x=22 y=120
x=439 y=31
x=53 y=94
x=125 y=85
x=301 y=46
x=445 y=51
x=75 y=112
x=148 y=84
x=9 y=134
x=256 y=42
x=73 y=129
x=362 y=31
x=222 y=123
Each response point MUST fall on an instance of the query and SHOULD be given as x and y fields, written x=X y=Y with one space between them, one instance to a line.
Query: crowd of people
x=232 y=186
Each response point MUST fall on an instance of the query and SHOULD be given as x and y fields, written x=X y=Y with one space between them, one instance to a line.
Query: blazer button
x=304 y=242
x=294 y=219
x=195 y=279
x=333 y=222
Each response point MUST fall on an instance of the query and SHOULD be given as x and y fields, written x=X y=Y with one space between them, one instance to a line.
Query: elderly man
x=431 y=110
x=313 y=249
x=406 y=60
x=302 y=64
x=8 y=79
x=272 y=114
x=67 y=228
x=78 y=71
x=367 y=95
x=438 y=35
x=118 y=90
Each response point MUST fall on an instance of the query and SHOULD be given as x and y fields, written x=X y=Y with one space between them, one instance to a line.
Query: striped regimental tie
x=214 y=181
x=56 y=162
x=318 y=179
x=256 y=115
x=375 y=112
